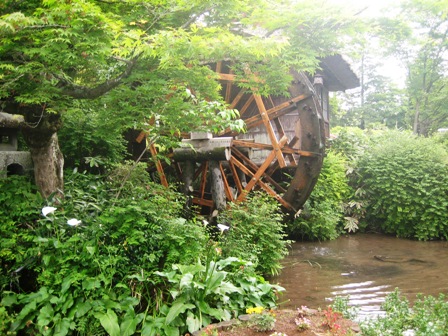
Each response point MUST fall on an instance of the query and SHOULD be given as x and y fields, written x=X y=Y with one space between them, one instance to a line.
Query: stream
x=366 y=267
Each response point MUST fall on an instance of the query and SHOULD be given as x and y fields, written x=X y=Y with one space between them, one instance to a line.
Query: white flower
x=205 y=222
x=73 y=222
x=223 y=227
x=48 y=210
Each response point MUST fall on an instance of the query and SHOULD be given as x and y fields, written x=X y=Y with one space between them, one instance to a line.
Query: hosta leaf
x=176 y=309
x=193 y=323
x=109 y=321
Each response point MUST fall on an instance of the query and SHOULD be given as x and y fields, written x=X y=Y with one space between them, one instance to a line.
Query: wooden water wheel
x=281 y=153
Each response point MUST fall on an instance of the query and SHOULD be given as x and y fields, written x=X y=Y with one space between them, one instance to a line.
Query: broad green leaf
x=46 y=315
x=177 y=308
x=109 y=321
x=62 y=327
x=83 y=308
x=193 y=323
x=9 y=300
x=25 y=313
x=215 y=281
x=227 y=287
x=186 y=280
x=130 y=322
x=171 y=331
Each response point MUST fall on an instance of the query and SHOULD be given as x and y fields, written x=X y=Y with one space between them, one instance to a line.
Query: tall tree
x=147 y=60
x=419 y=37
x=378 y=102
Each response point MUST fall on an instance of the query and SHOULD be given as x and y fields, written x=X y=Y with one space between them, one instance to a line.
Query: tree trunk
x=40 y=134
x=48 y=168
x=416 y=118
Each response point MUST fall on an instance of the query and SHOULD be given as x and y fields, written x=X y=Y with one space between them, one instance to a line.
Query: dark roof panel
x=338 y=76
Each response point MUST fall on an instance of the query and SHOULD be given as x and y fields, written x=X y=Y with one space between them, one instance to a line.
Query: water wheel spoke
x=227 y=188
x=261 y=170
x=218 y=68
x=203 y=184
x=260 y=183
x=159 y=167
x=236 y=177
x=237 y=99
x=247 y=162
x=203 y=202
x=270 y=130
x=228 y=90
x=286 y=149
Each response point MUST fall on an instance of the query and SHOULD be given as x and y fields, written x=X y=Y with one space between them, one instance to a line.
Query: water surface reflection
x=364 y=266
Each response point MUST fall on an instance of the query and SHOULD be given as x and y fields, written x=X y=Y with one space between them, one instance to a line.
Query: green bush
x=323 y=212
x=405 y=184
x=256 y=232
x=19 y=200
x=428 y=317
x=349 y=141
x=442 y=138
x=104 y=264
x=219 y=290
x=91 y=139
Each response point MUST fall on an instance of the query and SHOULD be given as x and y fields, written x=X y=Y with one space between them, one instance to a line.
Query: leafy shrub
x=85 y=274
x=256 y=233
x=405 y=184
x=323 y=211
x=203 y=293
x=349 y=141
x=91 y=135
x=428 y=317
x=106 y=264
x=18 y=201
x=442 y=138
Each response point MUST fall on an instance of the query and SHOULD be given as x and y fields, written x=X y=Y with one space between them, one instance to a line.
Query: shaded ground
x=288 y=322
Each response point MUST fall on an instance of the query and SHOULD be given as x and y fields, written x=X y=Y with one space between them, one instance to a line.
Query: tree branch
x=84 y=92
x=44 y=27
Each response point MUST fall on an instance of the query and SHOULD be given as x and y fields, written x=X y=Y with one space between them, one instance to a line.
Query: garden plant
x=100 y=263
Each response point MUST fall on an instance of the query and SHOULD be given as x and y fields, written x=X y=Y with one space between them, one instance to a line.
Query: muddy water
x=365 y=267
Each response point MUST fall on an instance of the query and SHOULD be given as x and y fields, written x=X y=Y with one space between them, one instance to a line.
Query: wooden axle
x=216 y=149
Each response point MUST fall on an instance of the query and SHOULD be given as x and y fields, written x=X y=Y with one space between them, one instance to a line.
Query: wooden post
x=217 y=184
x=187 y=179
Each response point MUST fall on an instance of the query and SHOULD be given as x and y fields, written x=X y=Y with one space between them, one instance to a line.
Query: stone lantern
x=12 y=161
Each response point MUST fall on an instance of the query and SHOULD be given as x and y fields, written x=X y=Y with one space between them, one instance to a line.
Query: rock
x=245 y=317
x=355 y=328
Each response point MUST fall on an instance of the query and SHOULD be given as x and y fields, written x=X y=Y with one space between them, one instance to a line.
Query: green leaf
x=186 y=280
x=83 y=308
x=109 y=321
x=193 y=323
x=177 y=308
x=62 y=328
x=227 y=287
x=9 y=300
x=27 y=311
x=215 y=281
x=89 y=283
x=46 y=316
x=171 y=331
x=91 y=250
x=152 y=326
x=130 y=322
